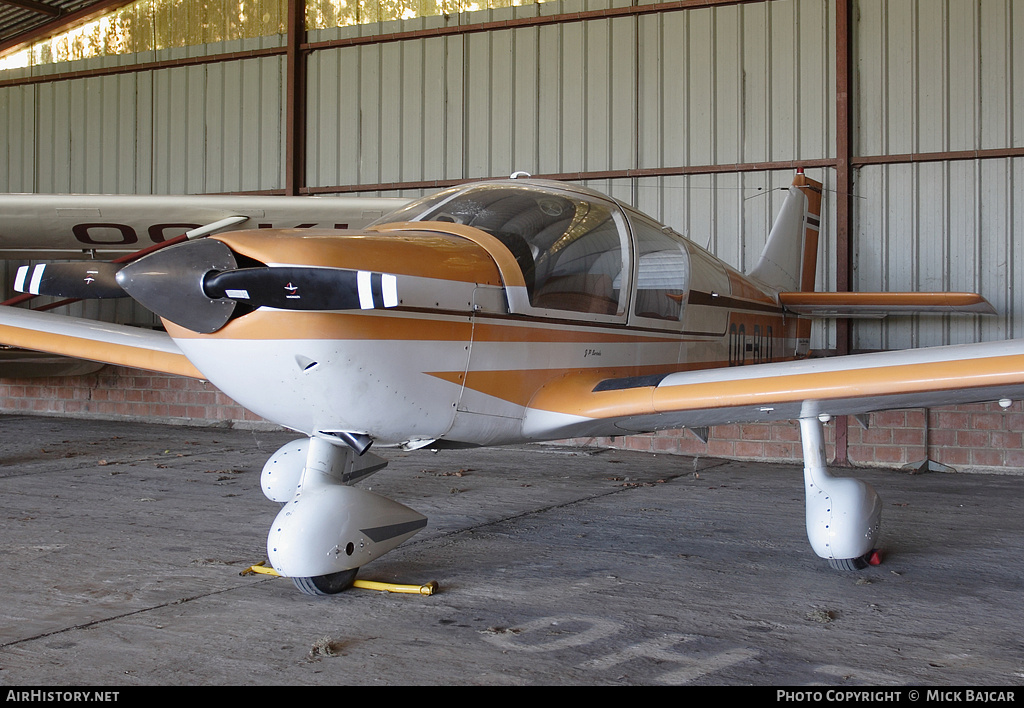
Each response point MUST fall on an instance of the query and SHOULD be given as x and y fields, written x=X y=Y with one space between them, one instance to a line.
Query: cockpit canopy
x=572 y=245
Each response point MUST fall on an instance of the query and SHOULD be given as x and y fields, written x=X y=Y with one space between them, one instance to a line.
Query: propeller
x=170 y=283
x=198 y=284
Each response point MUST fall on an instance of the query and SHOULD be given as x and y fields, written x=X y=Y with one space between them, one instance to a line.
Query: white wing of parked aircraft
x=495 y=313
x=79 y=225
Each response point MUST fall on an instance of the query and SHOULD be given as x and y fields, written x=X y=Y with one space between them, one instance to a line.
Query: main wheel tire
x=849 y=563
x=330 y=584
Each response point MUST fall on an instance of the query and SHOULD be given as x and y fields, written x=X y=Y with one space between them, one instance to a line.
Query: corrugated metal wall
x=934 y=77
x=745 y=83
x=189 y=130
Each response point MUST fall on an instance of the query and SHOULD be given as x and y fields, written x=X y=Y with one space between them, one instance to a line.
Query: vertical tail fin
x=790 y=256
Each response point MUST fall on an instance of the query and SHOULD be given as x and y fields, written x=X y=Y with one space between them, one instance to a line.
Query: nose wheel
x=330 y=584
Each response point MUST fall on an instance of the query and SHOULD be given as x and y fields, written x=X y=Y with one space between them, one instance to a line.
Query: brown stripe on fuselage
x=399 y=325
x=510 y=330
x=698 y=297
x=743 y=289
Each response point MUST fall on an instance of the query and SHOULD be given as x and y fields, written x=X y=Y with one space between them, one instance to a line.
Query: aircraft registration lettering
x=96 y=233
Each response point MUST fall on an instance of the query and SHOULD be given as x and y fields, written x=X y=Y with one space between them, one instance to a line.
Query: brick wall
x=979 y=437
x=129 y=394
x=971 y=437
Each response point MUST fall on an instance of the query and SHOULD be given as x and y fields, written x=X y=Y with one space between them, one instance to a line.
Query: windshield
x=414 y=209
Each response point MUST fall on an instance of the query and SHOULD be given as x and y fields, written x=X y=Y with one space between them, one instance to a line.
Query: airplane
x=503 y=312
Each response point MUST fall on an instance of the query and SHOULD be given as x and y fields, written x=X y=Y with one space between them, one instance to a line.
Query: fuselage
x=503 y=290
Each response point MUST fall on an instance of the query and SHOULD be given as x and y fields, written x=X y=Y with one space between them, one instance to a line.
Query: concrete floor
x=124 y=543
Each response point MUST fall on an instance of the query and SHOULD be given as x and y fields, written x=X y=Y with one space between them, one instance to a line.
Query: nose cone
x=170 y=283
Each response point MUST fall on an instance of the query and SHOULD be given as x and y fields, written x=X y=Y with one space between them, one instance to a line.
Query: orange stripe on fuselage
x=511 y=382
x=519 y=386
x=341 y=326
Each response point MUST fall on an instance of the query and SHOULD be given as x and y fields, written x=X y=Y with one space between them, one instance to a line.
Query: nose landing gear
x=327 y=529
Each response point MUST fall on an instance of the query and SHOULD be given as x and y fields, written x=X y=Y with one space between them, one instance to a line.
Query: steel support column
x=295 y=96
x=844 y=193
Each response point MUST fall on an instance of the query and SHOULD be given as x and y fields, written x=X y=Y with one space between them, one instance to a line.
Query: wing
x=95 y=341
x=585 y=405
x=65 y=226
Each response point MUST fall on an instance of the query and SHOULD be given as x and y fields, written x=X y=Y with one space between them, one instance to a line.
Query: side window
x=579 y=264
x=663 y=272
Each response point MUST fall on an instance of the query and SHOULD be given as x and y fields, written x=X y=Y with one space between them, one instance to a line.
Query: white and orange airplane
x=495 y=313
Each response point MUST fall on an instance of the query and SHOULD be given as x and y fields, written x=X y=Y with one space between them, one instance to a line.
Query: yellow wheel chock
x=427 y=589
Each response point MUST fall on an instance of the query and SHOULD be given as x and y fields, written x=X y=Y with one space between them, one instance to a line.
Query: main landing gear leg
x=843 y=515
x=327 y=529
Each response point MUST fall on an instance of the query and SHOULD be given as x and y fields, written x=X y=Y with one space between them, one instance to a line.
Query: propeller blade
x=72 y=279
x=305 y=288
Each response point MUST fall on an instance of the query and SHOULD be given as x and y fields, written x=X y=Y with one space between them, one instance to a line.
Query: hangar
x=693 y=111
